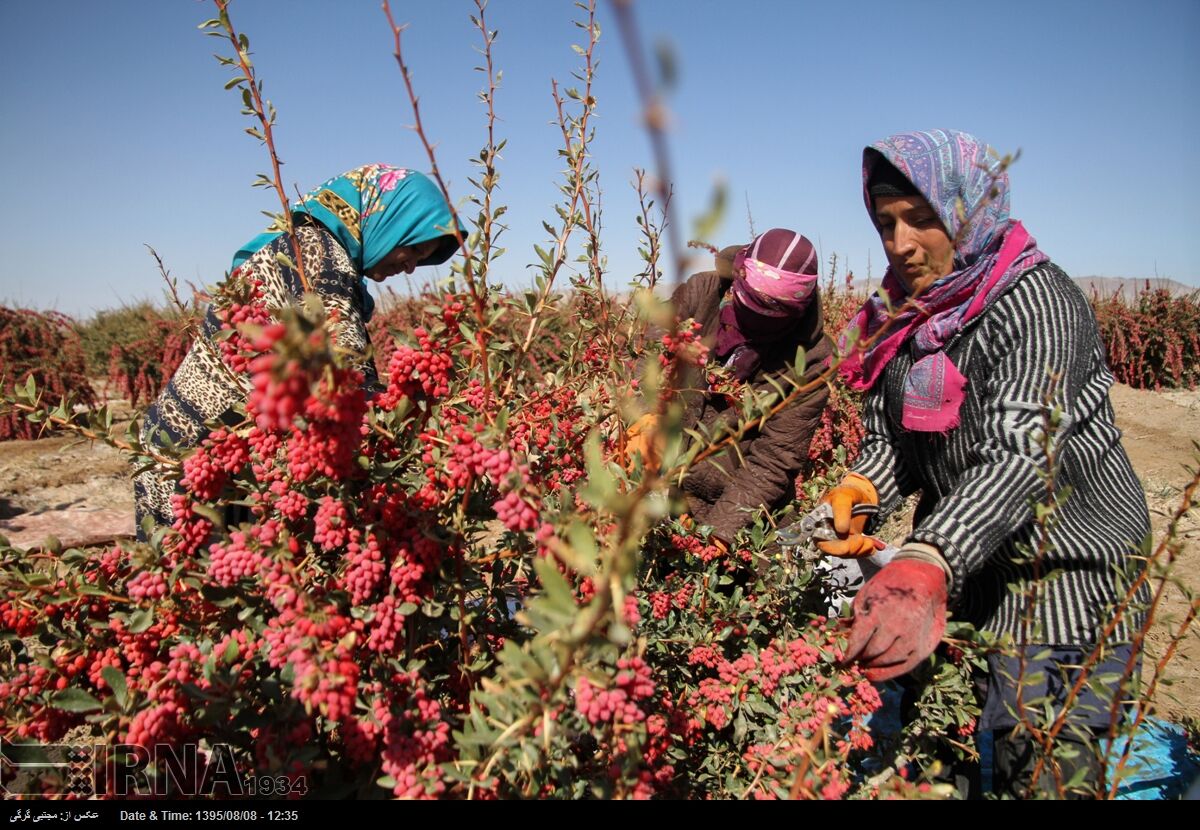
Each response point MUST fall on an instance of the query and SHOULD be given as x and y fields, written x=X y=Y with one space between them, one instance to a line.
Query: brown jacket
x=771 y=458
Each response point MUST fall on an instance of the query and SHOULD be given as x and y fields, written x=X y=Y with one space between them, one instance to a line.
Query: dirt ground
x=1160 y=430
x=72 y=483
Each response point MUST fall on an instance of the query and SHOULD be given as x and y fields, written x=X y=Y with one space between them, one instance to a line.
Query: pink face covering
x=774 y=283
x=769 y=291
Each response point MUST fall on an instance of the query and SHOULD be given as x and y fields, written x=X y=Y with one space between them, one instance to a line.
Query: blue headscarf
x=371 y=210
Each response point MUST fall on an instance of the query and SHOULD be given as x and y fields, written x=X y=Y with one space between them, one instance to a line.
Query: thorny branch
x=654 y=116
x=479 y=295
x=256 y=106
x=1166 y=548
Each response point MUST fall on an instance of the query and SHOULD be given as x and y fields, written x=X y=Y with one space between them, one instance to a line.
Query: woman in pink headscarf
x=754 y=311
x=977 y=331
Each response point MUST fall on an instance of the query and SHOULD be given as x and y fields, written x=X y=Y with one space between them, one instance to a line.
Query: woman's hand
x=899 y=618
x=643 y=439
x=851 y=542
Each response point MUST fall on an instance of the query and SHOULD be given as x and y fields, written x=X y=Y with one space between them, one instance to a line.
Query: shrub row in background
x=45 y=347
x=137 y=347
x=1153 y=341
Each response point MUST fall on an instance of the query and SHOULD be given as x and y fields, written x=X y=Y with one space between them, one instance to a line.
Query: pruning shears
x=818 y=525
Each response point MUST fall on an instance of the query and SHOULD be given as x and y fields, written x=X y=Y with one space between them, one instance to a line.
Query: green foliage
x=465 y=587
x=137 y=346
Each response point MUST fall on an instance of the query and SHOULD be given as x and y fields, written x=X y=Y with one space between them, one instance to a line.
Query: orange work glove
x=851 y=542
x=638 y=441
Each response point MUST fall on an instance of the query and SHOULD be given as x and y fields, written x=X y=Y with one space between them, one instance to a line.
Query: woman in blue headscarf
x=373 y=222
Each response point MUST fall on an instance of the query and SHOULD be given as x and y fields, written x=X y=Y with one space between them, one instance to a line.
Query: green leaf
x=545 y=256
x=75 y=700
x=601 y=484
x=140 y=620
x=801 y=362
x=557 y=589
x=211 y=513
x=582 y=553
x=115 y=678
x=231 y=651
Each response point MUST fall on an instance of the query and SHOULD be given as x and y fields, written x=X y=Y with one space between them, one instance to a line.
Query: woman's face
x=402 y=258
x=917 y=245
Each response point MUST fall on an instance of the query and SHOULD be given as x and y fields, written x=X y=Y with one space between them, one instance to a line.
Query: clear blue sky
x=115 y=130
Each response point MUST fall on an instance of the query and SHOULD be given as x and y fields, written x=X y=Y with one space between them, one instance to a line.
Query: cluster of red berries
x=365 y=567
x=661 y=602
x=247 y=310
x=17 y=619
x=516 y=513
x=330 y=686
x=416 y=738
x=239 y=558
x=155 y=725
x=620 y=703
x=331 y=527
x=207 y=469
x=684 y=346
x=148 y=585
x=329 y=443
x=413 y=372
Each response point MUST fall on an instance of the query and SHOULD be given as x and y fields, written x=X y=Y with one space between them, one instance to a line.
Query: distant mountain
x=1103 y=286
x=1109 y=286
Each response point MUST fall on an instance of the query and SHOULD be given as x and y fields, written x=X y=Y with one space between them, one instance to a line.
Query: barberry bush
x=841 y=431
x=1153 y=340
x=40 y=350
x=464 y=586
x=441 y=592
x=137 y=347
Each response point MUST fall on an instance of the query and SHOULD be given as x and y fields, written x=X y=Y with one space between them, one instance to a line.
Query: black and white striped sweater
x=980 y=480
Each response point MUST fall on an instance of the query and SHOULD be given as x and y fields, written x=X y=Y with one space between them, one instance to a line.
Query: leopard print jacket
x=203 y=392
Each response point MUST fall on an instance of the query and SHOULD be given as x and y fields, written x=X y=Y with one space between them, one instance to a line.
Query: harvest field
x=679 y=611
x=467 y=584
x=80 y=492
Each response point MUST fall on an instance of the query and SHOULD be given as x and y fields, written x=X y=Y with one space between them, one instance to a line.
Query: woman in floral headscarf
x=988 y=331
x=372 y=222
x=755 y=311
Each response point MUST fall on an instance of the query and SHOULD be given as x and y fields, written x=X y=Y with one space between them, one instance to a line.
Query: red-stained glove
x=854 y=490
x=899 y=618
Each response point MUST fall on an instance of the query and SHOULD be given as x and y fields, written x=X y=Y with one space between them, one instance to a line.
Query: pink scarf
x=934 y=387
